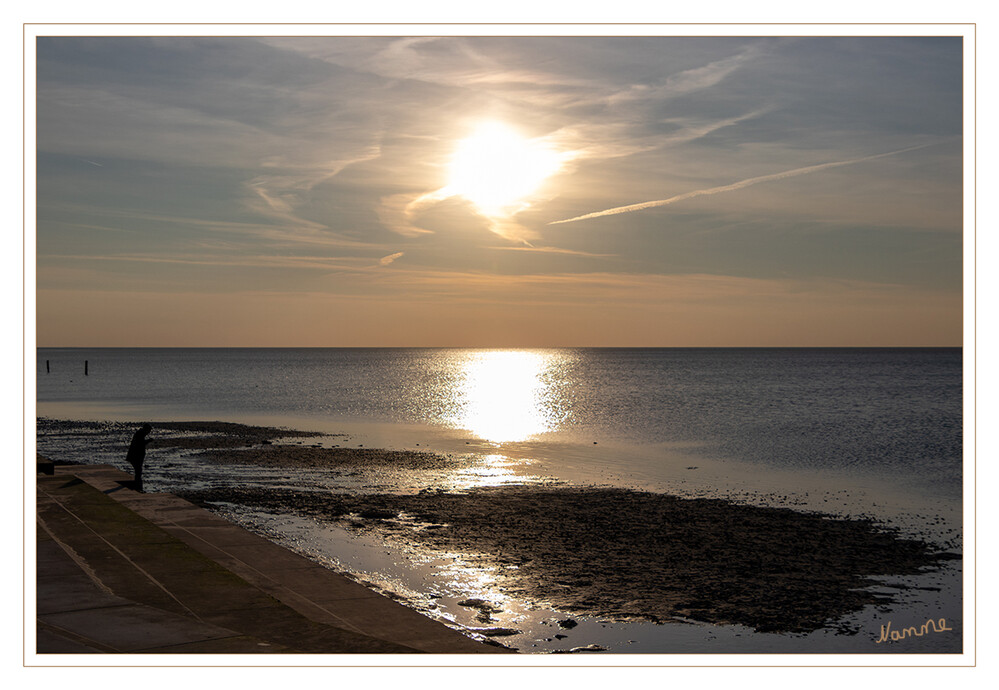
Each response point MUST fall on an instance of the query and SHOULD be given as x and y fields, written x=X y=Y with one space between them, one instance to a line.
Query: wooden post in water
x=46 y=366
x=86 y=367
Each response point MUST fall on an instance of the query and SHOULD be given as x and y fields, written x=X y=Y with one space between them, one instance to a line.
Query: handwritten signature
x=889 y=635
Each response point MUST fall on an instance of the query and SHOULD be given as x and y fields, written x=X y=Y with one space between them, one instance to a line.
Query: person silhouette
x=137 y=453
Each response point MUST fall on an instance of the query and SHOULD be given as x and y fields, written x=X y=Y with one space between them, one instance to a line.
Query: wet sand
x=616 y=553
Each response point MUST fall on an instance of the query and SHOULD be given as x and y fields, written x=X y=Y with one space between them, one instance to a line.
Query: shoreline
x=753 y=568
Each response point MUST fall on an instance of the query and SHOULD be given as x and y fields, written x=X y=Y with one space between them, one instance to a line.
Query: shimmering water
x=873 y=432
x=887 y=412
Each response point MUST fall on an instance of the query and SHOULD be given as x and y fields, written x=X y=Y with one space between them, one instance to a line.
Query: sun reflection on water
x=494 y=470
x=507 y=395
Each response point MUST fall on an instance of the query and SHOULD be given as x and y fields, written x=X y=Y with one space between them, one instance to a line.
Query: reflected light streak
x=503 y=396
x=495 y=470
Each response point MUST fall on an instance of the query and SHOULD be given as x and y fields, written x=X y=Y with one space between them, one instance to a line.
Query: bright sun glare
x=502 y=396
x=496 y=168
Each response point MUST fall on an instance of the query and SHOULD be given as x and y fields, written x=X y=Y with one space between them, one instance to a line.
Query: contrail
x=733 y=186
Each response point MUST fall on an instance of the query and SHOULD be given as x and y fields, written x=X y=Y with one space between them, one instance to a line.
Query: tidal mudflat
x=593 y=553
x=627 y=555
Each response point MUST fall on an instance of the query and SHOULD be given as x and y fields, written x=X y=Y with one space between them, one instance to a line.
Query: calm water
x=883 y=412
x=868 y=432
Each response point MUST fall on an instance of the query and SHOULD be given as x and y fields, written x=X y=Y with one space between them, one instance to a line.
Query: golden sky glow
x=496 y=168
x=500 y=191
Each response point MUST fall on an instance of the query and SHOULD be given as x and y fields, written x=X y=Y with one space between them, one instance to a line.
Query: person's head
x=146 y=428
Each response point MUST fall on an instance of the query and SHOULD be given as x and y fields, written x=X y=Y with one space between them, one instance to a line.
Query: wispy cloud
x=282 y=194
x=396 y=212
x=204 y=259
x=534 y=159
x=386 y=260
x=552 y=250
x=709 y=75
x=231 y=165
x=283 y=235
x=734 y=186
x=688 y=81
x=607 y=140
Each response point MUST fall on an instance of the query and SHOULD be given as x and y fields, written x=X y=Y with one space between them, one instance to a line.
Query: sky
x=499 y=191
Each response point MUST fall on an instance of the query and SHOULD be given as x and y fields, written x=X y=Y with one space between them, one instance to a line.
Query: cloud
x=497 y=184
x=553 y=250
x=204 y=259
x=688 y=81
x=309 y=163
x=734 y=186
x=462 y=62
x=551 y=94
x=605 y=140
x=282 y=235
x=386 y=260
x=709 y=75
x=509 y=229
x=396 y=212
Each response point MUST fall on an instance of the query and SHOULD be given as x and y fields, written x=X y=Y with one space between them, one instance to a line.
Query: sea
x=850 y=432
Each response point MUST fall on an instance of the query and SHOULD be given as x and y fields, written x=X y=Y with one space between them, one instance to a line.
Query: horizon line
x=498 y=347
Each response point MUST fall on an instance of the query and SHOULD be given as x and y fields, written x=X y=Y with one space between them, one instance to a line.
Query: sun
x=497 y=169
